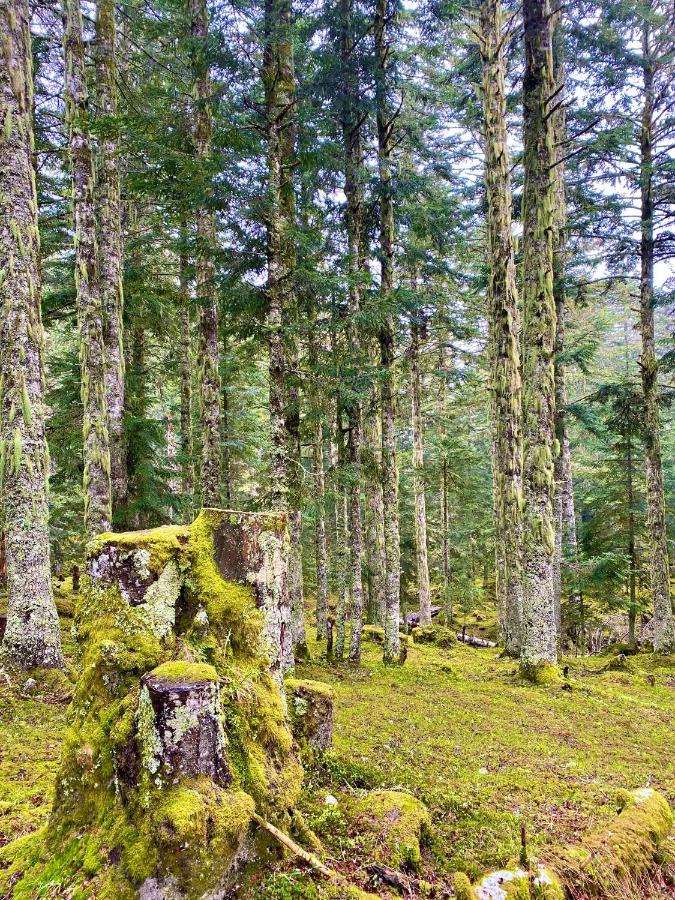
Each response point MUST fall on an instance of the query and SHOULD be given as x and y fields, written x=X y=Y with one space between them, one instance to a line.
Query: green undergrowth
x=458 y=729
x=486 y=751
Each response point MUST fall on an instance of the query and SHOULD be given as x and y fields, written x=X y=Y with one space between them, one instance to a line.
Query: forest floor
x=456 y=728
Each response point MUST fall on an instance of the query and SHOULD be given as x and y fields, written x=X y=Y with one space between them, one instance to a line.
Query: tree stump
x=310 y=709
x=178 y=729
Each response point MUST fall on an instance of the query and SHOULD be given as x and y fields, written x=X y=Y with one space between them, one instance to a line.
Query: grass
x=458 y=729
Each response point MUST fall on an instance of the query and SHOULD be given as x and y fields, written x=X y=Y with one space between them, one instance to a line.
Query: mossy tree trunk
x=185 y=371
x=111 y=265
x=320 y=543
x=278 y=76
x=565 y=518
x=350 y=115
x=423 y=590
x=376 y=565
x=97 y=484
x=539 y=641
x=341 y=556
x=503 y=319
x=32 y=636
x=659 y=568
x=210 y=411
x=386 y=119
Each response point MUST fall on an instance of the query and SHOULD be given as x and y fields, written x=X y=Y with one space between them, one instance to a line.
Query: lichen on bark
x=32 y=635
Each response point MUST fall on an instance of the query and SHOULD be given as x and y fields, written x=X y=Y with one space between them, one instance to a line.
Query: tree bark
x=375 y=554
x=385 y=144
x=185 y=372
x=664 y=627
x=321 y=547
x=503 y=340
x=210 y=411
x=353 y=163
x=279 y=84
x=423 y=589
x=32 y=636
x=97 y=484
x=111 y=264
x=539 y=644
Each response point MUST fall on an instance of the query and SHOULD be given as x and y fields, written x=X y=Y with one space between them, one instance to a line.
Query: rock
x=29 y=686
x=310 y=710
x=436 y=634
x=625 y=850
x=331 y=800
x=397 y=824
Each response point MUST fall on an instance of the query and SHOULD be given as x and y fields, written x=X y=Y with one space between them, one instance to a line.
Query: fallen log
x=412 y=620
x=474 y=641
x=405 y=884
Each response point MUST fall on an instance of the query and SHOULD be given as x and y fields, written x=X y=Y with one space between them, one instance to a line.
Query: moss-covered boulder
x=436 y=634
x=375 y=635
x=623 y=851
x=310 y=711
x=607 y=862
x=393 y=826
x=177 y=730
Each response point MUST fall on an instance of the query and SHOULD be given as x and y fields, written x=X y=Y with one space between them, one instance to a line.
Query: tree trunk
x=185 y=370
x=539 y=644
x=505 y=379
x=111 y=265
x=227 y=431
x=632 y=593
x=32 y=637
x=664 y=627
x=341 y=555
x=209 y=376
x=97 y=486
x=295 y=473
x=279 y=83
x=353 y=162
x=321 y=547
x=375 y=555
x=385 y=147
x=418 y=481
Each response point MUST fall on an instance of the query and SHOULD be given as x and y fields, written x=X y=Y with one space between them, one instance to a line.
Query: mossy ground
x=486 y=751
x=481 y=747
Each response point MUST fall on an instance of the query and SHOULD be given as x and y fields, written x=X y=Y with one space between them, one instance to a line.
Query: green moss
x=463 y=889
x=543 y=674
x=398 y=824
x=623 y=851
x=199 y=828
x=162 y=544
x=190 y=673
x=435 y=634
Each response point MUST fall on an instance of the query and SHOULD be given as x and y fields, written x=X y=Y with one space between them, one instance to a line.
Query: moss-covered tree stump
x=178 y=731
x=310 y=710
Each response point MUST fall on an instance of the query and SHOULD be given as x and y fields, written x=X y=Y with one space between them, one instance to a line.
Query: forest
x=337 y=449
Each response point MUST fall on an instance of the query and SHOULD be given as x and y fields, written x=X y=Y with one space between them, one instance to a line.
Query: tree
x=653 y=63
x=32 y=635
x=279 y=83
x=386 y=118
x=209 y=377
x=97 y=485
x=110 y=263
x=503 y=347
x=539 y=641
